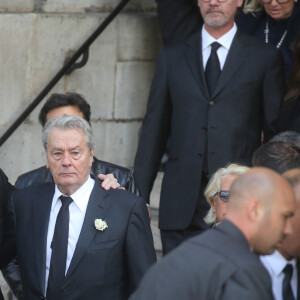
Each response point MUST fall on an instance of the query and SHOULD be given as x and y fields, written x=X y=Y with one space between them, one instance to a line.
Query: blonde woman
x=217 y=191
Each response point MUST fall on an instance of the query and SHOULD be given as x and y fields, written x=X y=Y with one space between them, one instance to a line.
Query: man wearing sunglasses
x=211 y=97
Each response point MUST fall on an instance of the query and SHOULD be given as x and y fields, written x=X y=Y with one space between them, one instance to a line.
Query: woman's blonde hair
x=214 y=186
x=252 y=6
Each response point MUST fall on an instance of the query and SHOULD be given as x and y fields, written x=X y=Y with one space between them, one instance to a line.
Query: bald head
x=290 y=247
x=258 y=183
x=261 y=204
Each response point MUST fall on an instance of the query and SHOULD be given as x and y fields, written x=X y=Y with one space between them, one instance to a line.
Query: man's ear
x=92 y=156
x=255 y=209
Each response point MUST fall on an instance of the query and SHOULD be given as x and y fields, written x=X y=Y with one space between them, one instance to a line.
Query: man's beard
x=215 y=23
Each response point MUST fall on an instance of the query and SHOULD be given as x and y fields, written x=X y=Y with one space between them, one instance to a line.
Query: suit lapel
x=42 y=207
x=235 y=57
x=193 y=55
x=96 y=209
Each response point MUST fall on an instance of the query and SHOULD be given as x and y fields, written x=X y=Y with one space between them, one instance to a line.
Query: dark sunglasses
x=223 y=195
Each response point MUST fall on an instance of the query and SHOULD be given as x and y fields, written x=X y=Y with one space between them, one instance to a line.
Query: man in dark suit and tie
x=283 y=264
x=220 y=264
x=73 y=239
x=212 y=97
x=5 y=189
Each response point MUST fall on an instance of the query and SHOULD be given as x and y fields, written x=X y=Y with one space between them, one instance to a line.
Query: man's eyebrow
x=56 y=149
x=73 y=148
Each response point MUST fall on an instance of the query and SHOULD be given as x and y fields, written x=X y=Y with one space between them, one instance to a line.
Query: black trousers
x=172 y=238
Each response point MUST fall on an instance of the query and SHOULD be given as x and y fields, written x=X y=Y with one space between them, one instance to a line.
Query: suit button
x=204 y=128
x=200 y=154
x=211 y=102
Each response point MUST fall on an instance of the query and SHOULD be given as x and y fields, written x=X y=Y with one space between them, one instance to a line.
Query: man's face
x=275 y=223
x=219 y=207
x=290 y=247
x=69 y=159
x=64 y=110
x=216 y=14
x=279 y=11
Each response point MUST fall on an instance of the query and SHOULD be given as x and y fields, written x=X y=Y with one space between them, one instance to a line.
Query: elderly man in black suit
x=5 y=189
x=221 y=264
x=73 y=239
x=212 y=97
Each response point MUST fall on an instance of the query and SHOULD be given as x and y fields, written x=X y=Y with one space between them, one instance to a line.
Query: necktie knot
x=65 y=201
x=215 y=46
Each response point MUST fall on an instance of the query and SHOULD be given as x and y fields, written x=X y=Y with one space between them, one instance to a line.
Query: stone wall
x=37 y=36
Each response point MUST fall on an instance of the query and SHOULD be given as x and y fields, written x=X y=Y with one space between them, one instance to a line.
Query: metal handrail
x=66 y=69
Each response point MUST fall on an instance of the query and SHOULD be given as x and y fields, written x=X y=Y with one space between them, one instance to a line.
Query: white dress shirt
x=275 y=263
x=77 y=211
x=225 y=41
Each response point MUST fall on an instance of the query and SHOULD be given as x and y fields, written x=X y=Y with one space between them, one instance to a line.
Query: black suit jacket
x=217 y=264
x=219 y=129
x=106 y=264
x=5 y=190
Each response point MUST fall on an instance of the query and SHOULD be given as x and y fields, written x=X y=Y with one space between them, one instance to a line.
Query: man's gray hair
x=69 y=122
x=214 y=186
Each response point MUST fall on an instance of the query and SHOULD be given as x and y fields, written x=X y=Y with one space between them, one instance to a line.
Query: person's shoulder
x=255 y=46
x=104 y=167
x=177 y=48
x=226 y=242
x=29 y=191
x=120 y=196
x=3 y=177
x=34 y=177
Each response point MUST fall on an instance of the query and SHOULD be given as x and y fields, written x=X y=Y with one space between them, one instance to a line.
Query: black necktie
x=212 y=70
x=59 y=247
x=287 y=293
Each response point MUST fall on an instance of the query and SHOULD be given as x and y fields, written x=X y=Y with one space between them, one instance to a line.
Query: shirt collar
x=277 y=262
x=225 y=40
x=78 y=197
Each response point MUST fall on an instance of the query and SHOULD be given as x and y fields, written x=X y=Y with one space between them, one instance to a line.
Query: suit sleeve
x=155 y=131
x=273 y=92
x=5 y=190
x=250 y=284
x=8 y=250
x=140 y=253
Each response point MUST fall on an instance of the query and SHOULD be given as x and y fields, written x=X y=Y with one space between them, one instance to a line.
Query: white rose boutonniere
x=100 y=224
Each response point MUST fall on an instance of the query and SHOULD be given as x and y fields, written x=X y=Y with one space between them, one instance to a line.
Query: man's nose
x=274 y=3
x=213 y=2
x=66 y=160
x=288 y=227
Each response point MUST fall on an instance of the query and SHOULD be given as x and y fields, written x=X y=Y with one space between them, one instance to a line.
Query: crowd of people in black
x=224 y=104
